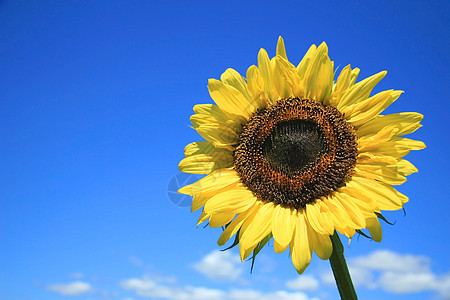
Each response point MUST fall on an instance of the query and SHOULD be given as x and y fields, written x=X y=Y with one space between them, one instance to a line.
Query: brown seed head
x=295 y=152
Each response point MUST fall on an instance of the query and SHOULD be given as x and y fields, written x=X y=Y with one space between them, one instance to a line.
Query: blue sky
x=95 y=99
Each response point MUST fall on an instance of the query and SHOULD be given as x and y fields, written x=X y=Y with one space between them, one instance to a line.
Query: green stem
x=340 y=270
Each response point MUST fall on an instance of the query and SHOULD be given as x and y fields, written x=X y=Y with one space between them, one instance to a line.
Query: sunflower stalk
x=340 y=270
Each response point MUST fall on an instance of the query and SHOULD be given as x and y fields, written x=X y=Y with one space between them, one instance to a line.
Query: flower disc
x=295 y=151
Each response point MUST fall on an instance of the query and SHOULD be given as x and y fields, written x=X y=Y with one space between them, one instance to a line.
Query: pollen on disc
x=295 y=152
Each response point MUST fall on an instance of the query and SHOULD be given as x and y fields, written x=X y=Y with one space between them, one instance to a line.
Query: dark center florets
x=295 y=152
x=294 y=146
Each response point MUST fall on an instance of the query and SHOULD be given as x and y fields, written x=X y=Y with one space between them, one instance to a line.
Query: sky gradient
x=95 y=99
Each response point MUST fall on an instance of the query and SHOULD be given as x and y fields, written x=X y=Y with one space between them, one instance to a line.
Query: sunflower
x=294 y=155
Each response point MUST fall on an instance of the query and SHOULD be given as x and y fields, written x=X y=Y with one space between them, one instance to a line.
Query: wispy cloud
x=220 y=265
x=151 y=288
x=385 y=260
x=406 y=283
x=395 y=273
x=76 y=275
x=384 y=270
x=75 y=288
x=303 y=283
x=136 y=261
x=257 y=295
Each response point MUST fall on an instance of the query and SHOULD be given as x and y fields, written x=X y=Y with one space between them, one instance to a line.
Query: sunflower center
x=295 y=152
x=294 y=146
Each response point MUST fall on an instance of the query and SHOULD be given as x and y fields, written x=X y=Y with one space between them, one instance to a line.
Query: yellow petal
x=321 y=243
x=235 y=225
x=245 y=253
x=207 y=158
x=248 y=220
x=351 y=193
x=215 y=112
x=219 y=220
x=198 y=202
x=352 y=209
x=198 y=120
x=348 y=231
x=300 y=245
x=219 y=136
x=341 y=217
x=234 y=79
x=290 y=76
x=406 y=123
x=278 y=248
x=375 y=229
x=211 y=184
x=210 y=121
x=370 y=142
x=236 y=200
x=397 y=147
x=281 y=85
x=229 y=99
x=206 y=163
x=306 y=61
x=385 y=173
x=256 y=87
x=385 y=195
x=365 y=110
x=406 y=168
x=195 y=148
x=367 y=157
x=265 y=69
x=203 y=217
x=345 y=81
x=257 y=230
x=318 y=219
x=281 y=51
x=318 y=79
x=283 y=223
x=359 y=91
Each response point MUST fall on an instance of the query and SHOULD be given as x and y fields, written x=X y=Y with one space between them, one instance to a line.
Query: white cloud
x=220 y=265
x=71 y=289
x=256 y=295
x=304 y=282
x=136 y=261
x=327 y=277
x=406 y=283
x=401 y=274
x=361 y=277
x=384 y=260
x=199 y=293
x=444 y=286
x=244 y=294
x=76 y=275
x=147 y=287
x=414 y=282
x=395 y=273
x=151 y=288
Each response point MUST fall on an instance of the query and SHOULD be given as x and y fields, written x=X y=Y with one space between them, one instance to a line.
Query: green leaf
x=363 y=234
x=258 y=248
x=380 y=216
x=236 y=241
